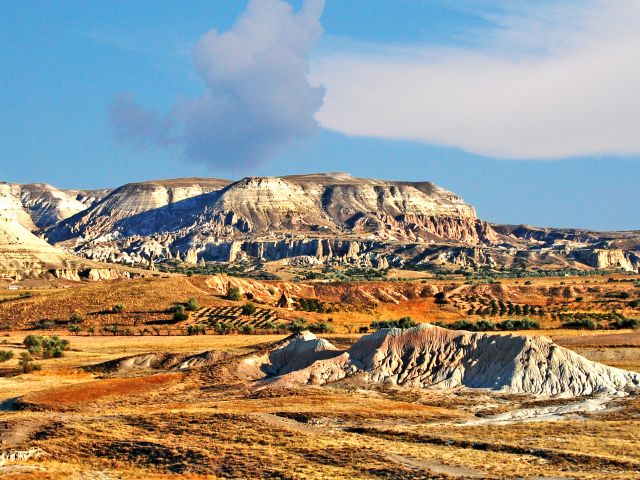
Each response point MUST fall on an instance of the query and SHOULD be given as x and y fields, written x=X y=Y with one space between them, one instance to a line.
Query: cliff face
x=129 y=201
x=39 y=205
x=268 y=205
x=304 y=219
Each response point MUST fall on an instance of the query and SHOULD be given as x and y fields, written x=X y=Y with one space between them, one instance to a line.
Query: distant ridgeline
x=326 y=226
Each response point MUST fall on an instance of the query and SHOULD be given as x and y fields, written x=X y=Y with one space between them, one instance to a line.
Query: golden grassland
x=202 y=424
x=207 y=423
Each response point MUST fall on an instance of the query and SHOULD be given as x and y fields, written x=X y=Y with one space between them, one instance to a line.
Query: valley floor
x=207 y=423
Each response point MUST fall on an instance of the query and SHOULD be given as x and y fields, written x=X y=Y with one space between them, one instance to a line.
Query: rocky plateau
x=304 y=219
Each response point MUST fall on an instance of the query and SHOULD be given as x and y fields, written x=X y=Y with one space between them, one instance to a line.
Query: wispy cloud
x=257 y=96
x=551 y=80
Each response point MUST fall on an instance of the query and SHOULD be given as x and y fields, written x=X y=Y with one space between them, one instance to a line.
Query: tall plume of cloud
x=257 y=96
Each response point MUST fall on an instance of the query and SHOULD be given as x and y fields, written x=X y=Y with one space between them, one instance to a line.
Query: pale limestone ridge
x=434 y=357
x=302 y=220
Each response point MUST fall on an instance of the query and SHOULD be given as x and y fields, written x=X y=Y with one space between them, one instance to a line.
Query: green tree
x=118 y=308
x=179 y=313
x=192 y=305
x=233 y=293
x=249 y=309
x=26 y=363
x=441 y=298
x=75 y=329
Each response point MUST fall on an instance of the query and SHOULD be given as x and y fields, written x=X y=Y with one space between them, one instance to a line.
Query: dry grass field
x=210 y=423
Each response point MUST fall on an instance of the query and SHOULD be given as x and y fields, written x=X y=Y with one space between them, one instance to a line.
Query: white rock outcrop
x=430 y=356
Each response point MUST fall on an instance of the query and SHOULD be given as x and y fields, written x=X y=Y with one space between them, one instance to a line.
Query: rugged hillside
x=429 y=356
x=327 y=217
x=39 y=205
x=22 y=254
x=303 y=220
x=103 y=217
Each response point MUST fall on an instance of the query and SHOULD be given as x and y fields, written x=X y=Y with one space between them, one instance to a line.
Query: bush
x=298 y=325
x=75 y=329
x=269 y=326
x=363 y=329
x=404 y=322
x=462 y=325
x=118 y=308
x=634 y=303
x=485 y=326
x=196 y=330
x=5 y=355
x=192 y=305
x=249 y=309
x=620 y=323
x=441 y=298
x=247 y=329
x=580 y=324
x=112 y=329
x=234 y=294
x=521 y=324
x=26 y=363
x=76 y=318
x=179 y=313
x=223 y=328
x=320 y=327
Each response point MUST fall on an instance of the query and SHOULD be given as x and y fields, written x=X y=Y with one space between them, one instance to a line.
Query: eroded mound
x=159 y=361
x=429 y=356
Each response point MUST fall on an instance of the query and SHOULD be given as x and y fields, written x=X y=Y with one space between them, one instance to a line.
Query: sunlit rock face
x=310 y=219
x=427 y=356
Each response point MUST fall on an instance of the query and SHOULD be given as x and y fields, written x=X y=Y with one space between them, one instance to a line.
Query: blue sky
x=532 y=157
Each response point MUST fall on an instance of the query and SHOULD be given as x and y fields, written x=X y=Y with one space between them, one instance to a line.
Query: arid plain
x=89 y=414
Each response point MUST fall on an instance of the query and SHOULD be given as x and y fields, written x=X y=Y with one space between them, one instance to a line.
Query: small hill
x=429 y=356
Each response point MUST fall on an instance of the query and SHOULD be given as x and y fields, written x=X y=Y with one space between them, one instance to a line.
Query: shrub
x=179 y=313
x=234 y=294
x=363 y=329
x=192 y=305
x=298 y=325
x=43 y=324
x=5 y=355
x=247 y=329
x=634 y=303
x=320 y=327
x=75 y=329
x=118 y=308
x=580 y=324
x=112 y=329
x=196 y=330
x=248 y=309
x=619 y=323
x=26 y=363
x=404 y=322
x=75 y=317
x=521 y=324
x=269 y=326
x=441 y=298
x=462 y=325
x=485 y=326
x=223 y=328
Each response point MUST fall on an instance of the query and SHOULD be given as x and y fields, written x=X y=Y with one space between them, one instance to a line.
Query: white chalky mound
x=429 y=356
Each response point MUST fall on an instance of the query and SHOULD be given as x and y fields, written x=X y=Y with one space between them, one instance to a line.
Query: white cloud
x=257 y=96
x=556 y=82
